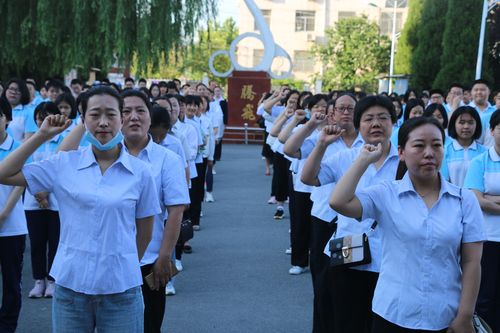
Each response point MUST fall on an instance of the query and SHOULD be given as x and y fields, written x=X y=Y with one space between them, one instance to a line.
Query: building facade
x=297 y=24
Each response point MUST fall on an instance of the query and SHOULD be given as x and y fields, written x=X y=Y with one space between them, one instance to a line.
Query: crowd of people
x=103 y=179
x=394 y=204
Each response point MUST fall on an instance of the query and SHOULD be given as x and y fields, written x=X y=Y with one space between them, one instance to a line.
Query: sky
x=228 y=8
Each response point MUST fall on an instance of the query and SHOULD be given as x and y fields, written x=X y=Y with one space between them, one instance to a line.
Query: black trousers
x=380 y=325
x=352 y=294
x=44 y=228
x=11 y=262
x=218 y=151
x=280 y=177
x=154 y=304
x=197 y=192
x=321 y=231
x=300 y=228
x=488 y=301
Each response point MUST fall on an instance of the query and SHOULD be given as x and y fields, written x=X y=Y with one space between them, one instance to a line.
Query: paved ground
x=236 y=279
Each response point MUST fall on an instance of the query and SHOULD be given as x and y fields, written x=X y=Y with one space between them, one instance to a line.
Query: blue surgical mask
x=308 y=114
x=108 y=145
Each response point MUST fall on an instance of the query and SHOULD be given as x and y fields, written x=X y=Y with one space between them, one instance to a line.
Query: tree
x=494 y=47
x=426 y=58
x=460 y=37
x=353 y=55
x=49 y=37
x=408 y=41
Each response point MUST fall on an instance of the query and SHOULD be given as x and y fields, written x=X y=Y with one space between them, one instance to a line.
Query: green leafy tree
x=494 y=47
x=354 y=54
x=426 y=58
x=48 y=37
x=408 y=41
x=460 y=37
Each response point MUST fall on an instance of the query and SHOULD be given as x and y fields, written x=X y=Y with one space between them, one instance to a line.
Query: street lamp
x=393 y=41
x=486 y=8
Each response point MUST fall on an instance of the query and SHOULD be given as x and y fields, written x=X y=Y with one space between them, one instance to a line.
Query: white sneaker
x=178 y=265
x=209 y=197
x=169 y=289
x=297 y=270
x=272 y=200
x=213 y=171
x=49 y=289
x=288 y=251
x=196 y=227
x=38 y=290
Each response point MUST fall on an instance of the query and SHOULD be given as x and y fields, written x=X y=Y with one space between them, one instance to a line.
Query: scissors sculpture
x=271 y=49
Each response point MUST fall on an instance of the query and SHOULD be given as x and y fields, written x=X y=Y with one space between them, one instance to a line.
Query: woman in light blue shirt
x=17 y=94
x=107 y=202
x=464 y=129
x=432 y=234
x=483 y=178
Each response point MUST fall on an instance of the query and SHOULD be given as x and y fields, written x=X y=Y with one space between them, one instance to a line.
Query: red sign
x=245 y=89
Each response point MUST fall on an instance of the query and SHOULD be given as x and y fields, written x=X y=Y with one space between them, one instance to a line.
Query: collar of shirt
x=7 y=143
x=457 y=146
x=87 y=159
x=147 y=151
x=406 y=185
x=490 y=108
x=494 y=155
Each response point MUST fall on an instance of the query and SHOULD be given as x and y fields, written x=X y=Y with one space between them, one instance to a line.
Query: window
x=386 y=23
x=267 y=17
x=257 y=56
x=304 y=20
x=399 y=4
x=303 y=61
x=343 y=15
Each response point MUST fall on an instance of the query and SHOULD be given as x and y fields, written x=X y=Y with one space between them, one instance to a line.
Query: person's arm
x=313 y=163
x=295 y=141
x=161 y=267
x=471 y=279
x=272 y=101
x=11 y=202
x=43 y=199
x=72 y=140
x=280 y=121
x=493 y=198
x=144 y=231
x=287 y=131
x=11 y=166
x=487 y=205
x=343 y=199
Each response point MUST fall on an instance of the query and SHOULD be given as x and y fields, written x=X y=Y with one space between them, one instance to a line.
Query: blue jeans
x=74 y=312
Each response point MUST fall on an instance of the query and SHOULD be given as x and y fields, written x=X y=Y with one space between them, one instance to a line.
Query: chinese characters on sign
x=248 y=94
x=247 y=113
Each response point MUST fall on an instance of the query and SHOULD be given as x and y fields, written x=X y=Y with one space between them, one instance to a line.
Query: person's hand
x=300 y=115
x=282 y=92
x=370 y=153
x=53 y=125
x=276 y=94
x=455 y=102
x=461 y=324
x=43 y=200
x=161 y=271
x=317 y=119
x=330 y=134
x=289 y=111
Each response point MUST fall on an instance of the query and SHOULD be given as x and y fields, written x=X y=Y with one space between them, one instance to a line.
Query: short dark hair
x=76 y=81
x=68 y=98
x=315 y=99
x=456 y=85
x=436 y=106
x=25 y=93
x=171 y=85
x=54 y=83
x=139 y=94
x=452 y=131
x=129 y=79
x=192 y=99
x=413 y=123
x=369 y=101
x=5 y=108
x=289 y=94
x=101 y=90
x=141 y=80
x=410 y=105
x=480 y=81
x=160 y=117
x=436 y=91
x=46 y=109
x=407 y=94
x=162 y=84
x=495 y=119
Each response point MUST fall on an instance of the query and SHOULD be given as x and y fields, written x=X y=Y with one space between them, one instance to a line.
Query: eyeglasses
x=381 y=118
x=14 y=90
x=343 y=109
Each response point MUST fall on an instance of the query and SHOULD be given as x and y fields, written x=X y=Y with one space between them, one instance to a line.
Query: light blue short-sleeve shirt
x=484 y=176
x=457 y=159
x=419 y=285
x=97 y=251
x=332 y=169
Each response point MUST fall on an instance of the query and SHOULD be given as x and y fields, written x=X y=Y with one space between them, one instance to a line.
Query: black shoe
x=279 y=214
x=187 y=249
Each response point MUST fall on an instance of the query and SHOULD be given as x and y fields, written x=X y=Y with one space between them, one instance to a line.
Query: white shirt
x=168 y=172
x=191 y=138
x=484 y=176
x=15 y=223
x=420 y=279
x=196 y=123
x=173 y=144
x=97 y=251
x=332 y=169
